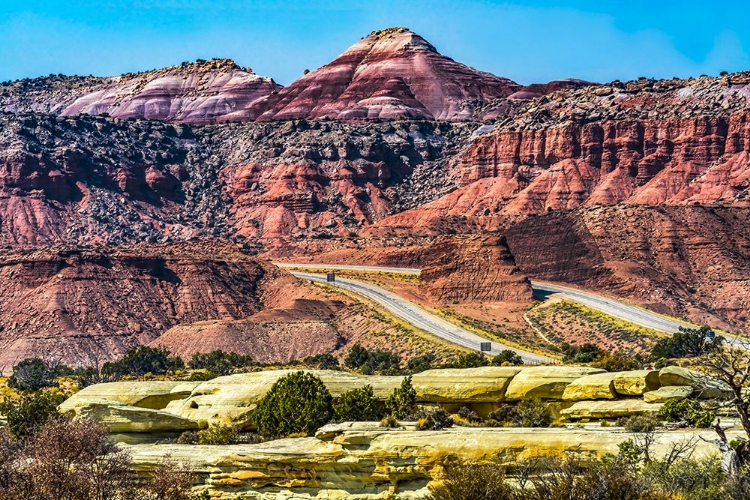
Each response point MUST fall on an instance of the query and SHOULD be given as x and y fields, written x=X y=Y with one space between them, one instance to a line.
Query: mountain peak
x=389 y=32
x=398 y=38
x=390 y=74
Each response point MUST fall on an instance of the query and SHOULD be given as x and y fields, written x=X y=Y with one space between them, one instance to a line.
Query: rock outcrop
x=367 y=462
x=545 y=382
x=610 y=409
x=123 y=418
x=473 y=269
x=198 y=92
x=573 y=393
x=636 y=382
x=704 y=387
x=476 y=385
x=668 y=392
x=154 y=395
x=597 y=386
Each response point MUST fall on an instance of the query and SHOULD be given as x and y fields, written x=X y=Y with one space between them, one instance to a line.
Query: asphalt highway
x=419 y=317
x=609 y=306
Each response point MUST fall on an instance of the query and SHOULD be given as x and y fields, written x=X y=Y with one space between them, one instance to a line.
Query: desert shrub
x=419 y=364
x=187 y=437
x=27 y=414
x=296 y=403
x=507 y=357
x=357 y=356
x=200 y=376
x=401 y=402
x=663 y=363
x=471 y=360
x=433 y=419
x=170 y=481
x=469 y=415
x=690 y=479
x=480 y=481
x=358 y=405
x=324 y=361
x=389 y=421
x=640 y=423
x=31 y=375
x=618 y=361
x=218 y=434
x=219 y=362
x=688 y=342
x=526 y=413
x=140 y=361
x=687 y=410
x=85 y=377
x=375 y=361
x=585 y=353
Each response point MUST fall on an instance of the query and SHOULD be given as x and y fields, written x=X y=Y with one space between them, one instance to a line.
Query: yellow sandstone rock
x=371 y=463
x=597 y=386
x=470 y=385
x=636 y=382
x=546 y=382
x=668 y=392
x=155 y=395
x=705 y=387
x=122 y=418
x=610 y=409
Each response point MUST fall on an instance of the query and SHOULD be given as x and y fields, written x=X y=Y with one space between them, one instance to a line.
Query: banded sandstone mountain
x=398 y=154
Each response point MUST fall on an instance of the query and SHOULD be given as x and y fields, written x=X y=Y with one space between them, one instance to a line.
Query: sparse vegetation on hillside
x=568 y=323
x=373 y=361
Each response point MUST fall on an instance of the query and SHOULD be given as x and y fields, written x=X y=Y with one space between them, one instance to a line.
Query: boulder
x=155 y=395
x=470 y=385
x=664 y=394
x=546 y=382
x=636 y=382
x=610 y=409
x=597 y=386
x=705 y=387
x=123 y=418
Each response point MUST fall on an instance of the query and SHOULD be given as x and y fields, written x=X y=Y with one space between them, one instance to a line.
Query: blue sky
x=527 y=41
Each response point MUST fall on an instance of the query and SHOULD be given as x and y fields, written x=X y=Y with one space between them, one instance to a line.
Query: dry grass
x=575 y=324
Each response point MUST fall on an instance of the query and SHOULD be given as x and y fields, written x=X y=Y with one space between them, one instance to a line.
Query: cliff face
x=674 y=161
x=473 y=269
x=82 y=305
x=97 y=180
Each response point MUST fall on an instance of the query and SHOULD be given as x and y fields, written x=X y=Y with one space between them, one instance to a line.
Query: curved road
x=419 y=317
x=609 y=306
x=542 y=290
